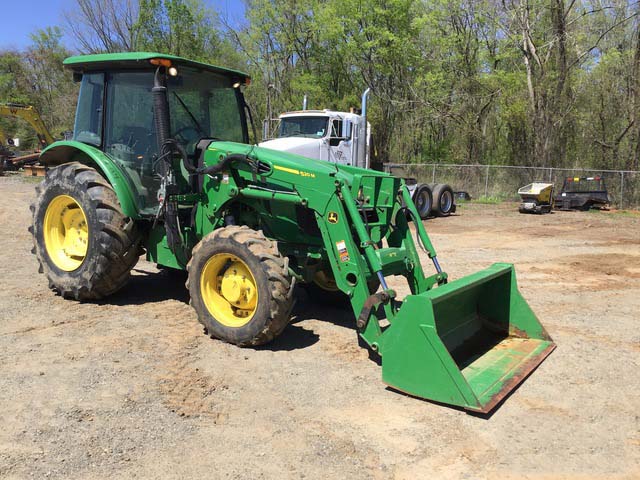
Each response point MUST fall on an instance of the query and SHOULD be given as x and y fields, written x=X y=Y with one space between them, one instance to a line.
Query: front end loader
x=161 y=164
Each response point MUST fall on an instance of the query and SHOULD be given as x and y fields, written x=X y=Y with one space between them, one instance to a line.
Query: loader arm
x=29 y=114
x=468 y=342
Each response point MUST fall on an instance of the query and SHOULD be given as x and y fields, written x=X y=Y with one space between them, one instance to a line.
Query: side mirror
x=335 y=141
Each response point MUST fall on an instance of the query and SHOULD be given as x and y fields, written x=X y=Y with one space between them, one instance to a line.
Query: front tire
x=240 y=286
x=83 y=242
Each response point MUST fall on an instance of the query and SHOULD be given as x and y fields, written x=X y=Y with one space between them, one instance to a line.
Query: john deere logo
x=333 y=217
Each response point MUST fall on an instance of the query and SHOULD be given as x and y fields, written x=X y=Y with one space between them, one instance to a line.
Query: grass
x=31 y=179
x=623 y=213
x=489 y=200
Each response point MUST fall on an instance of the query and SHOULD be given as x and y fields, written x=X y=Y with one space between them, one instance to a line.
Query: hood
x=307 y=147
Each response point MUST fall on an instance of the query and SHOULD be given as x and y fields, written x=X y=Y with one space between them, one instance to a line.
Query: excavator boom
x=31 y=115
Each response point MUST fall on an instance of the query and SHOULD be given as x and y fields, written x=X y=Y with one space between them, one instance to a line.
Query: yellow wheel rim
x=66 y=233
x=229 y=290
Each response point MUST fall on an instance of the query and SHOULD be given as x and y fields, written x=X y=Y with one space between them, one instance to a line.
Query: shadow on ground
x=150 y=287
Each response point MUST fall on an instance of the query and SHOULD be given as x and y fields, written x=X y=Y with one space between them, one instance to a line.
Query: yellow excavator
x=30 y=115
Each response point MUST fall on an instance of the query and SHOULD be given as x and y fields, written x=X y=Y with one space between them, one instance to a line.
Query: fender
x=71 y=151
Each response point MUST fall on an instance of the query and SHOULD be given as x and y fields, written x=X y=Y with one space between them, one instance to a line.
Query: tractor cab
x=115 y=113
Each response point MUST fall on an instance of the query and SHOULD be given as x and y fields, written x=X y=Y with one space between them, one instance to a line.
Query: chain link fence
x=501 y=182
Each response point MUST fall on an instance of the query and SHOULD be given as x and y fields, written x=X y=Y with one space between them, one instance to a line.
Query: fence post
x=433 y=176
x=486 y=183
x=621 y=190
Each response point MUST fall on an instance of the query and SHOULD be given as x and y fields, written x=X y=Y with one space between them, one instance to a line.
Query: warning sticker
x=333 y=217
x=342 y=251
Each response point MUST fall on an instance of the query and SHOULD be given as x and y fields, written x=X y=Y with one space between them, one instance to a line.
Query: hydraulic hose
x=222 y=165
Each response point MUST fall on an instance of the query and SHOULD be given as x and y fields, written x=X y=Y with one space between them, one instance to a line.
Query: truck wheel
x=240 y=286
x=442 y=200
x=83 y=242
x=423 y=201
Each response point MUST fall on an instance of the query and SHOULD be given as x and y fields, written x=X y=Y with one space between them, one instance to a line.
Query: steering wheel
x=189 y=141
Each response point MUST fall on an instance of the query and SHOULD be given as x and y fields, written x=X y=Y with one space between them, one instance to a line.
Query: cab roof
x=320 y=113
x=101 y=61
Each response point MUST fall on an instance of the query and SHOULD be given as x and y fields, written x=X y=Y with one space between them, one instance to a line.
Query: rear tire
x=83 y=242
x=240 y=286
x=442 y=200
x=324 y=290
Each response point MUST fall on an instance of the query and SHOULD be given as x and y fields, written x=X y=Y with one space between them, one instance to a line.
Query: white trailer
x=345 y=138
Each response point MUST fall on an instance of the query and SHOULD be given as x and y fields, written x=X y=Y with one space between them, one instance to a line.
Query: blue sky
x=22 y=17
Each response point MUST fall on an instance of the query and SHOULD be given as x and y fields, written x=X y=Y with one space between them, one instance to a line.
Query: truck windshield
x=310 y=127
x=205 y=105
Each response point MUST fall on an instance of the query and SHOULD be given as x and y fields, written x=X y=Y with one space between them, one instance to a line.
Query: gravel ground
x=131 y=388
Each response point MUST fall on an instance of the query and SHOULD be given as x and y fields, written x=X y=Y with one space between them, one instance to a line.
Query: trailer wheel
x=83 y=242
x=240 y=286
x=443 y=203
x=423 y=200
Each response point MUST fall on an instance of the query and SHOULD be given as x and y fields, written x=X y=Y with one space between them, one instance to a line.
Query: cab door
x=339 y=142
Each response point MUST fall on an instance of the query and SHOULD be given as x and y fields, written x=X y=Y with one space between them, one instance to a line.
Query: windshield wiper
x=195 y=122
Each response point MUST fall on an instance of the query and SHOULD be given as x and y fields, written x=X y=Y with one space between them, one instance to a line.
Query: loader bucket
x=467 y=343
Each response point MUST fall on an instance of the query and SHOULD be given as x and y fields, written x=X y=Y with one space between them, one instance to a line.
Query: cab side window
x=336 y=128
x=340 y=129
x=88 y=126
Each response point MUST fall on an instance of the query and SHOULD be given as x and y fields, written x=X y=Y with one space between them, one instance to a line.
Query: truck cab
x=337 y=137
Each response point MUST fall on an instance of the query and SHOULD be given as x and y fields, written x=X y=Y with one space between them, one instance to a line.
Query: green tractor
x=160 y=163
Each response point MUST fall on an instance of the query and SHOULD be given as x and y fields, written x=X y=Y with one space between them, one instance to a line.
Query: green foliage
x=553 y=82
x=179 y=27
x=36 y=77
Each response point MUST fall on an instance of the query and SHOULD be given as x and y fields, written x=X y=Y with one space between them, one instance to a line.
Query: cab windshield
x=310 y=127
x=205 y=105
x=201 y=105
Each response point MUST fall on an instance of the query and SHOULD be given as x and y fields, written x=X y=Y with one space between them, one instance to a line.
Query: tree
x=100 y=26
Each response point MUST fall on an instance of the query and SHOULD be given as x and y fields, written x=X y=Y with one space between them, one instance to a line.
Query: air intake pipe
x=161 y=118
x=162 y=123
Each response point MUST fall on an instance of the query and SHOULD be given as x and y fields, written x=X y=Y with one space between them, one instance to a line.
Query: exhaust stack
x=365 y=97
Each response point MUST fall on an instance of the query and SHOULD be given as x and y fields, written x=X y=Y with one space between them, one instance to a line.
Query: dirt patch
x=614 y=264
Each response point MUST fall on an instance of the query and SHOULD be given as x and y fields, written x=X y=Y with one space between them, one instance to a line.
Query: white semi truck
x=345 y=138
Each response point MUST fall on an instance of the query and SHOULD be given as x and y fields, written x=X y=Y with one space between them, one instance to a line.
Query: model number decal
x=294 y=171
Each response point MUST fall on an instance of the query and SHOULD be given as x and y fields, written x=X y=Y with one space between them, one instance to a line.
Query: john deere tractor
x=160 y=164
